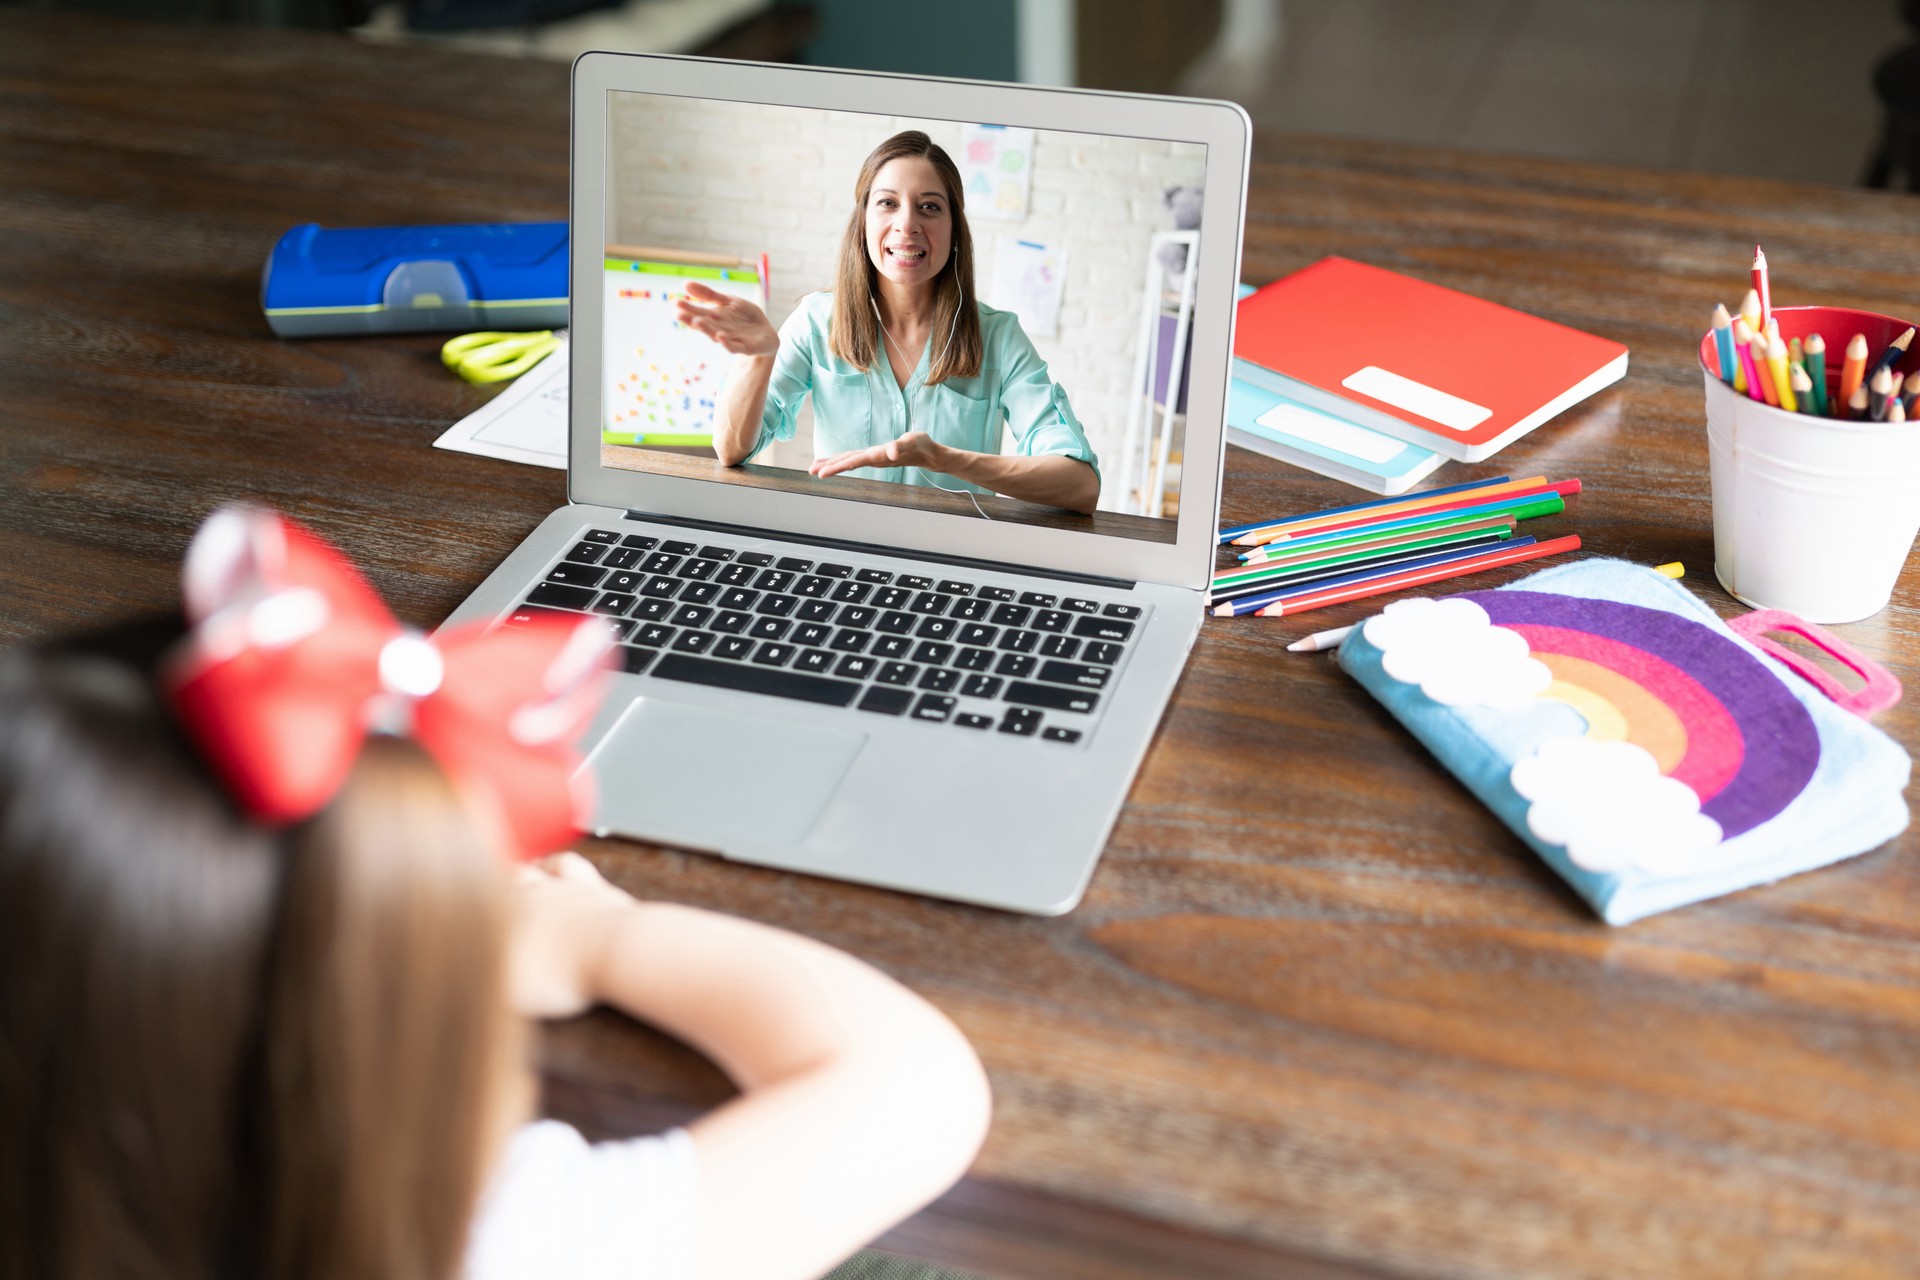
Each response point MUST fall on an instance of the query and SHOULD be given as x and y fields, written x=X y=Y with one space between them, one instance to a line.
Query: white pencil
x=1319 y=640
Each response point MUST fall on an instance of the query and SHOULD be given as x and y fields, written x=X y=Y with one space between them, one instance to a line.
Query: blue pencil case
x=503 y=275
x=1649 y=753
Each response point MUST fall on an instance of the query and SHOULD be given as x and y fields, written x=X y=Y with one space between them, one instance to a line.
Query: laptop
x=937 y=670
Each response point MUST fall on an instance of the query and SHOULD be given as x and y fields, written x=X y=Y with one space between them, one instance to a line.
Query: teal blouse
x=856 y=409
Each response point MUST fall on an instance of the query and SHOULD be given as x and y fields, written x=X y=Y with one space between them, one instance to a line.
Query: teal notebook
x=1645 y=751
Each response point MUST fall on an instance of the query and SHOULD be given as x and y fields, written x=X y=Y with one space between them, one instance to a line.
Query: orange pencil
x=1417 y=577
x=1282 y=530
x=1853 y=370
x=1454 y=502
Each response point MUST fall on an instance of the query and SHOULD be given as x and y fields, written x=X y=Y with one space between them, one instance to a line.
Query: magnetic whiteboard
x=662 y=378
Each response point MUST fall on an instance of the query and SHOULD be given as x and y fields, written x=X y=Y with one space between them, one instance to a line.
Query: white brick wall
x=746 y=179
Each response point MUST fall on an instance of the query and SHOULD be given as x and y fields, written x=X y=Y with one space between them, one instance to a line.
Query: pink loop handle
x=1881 y=689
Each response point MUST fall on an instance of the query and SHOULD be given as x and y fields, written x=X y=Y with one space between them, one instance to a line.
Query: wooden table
x=1319 y=1015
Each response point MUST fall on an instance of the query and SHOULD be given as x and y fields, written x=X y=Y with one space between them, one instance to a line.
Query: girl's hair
x=854 y=334
x=225 y=1050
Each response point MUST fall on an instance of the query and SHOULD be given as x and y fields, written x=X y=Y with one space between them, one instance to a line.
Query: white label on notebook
x=1417 y=397
x=1331 y=433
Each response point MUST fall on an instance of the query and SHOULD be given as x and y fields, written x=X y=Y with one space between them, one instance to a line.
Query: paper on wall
x=996 y=168
x=1028 y=280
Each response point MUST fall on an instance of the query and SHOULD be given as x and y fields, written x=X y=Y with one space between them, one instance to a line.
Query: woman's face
x=909 y=222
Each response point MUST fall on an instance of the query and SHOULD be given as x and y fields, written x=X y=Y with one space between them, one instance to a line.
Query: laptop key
x=858 y=615
x=995 y=593
x=887 y=702
x=607 y=536
x=1015 y=664
x=554 y=596
x=793 y=564
x=775 y=655
x=892 y=598
x=614 y=603
x=813 y=586
x=757 y=559
x=731 y=622
x=856 y=667
x=694 y=641
x=777 y=605
x=1051 y=620
x=953 y=588
x=753 y=679
x=661 y=588
x=678 y=548
x=895 y=623
x=1054 y=733
x=897 y=673
x=651 y=609
x=587 y=552
x=1103 y=628
x=769 y=628
x=635 y=661
x=971 y=610
x=528 y=613
x=813 y=660
x=622 y=627
x=1021 y=722
x=699 y=570
x=1019 y=641
x=892 y=647
x=653 y=636
x=977 y=633
x=939 y=679
x=914 y=582
x=660 y=562
x=738 y=598
x=931 y=603
x=1076 y=673
x=628 y=582
x=1012 y=615
x=639 y=542
x=931 y=651
x=816 y=610
x=1059 y=646
x=979 y=686
x=737 y=574
x=1053 y=696
x=691 y=615
x=1103 y=654
x=717 y=553
x=700 y=592
x=622 y=557
x=811 y=633
x=1074 y=605
x=834 y=570
x=852 y=592
x=576 y=575
x=733 y=647
x=968 y=720
x=773 y=580
x=848 y=640
x=1039 y=599
x=1122 y=611
x=933 y=706
x=880 y=576
x=974 y=659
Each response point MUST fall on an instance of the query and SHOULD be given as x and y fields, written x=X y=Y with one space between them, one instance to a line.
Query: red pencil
x=1760 y=287
x=1417 y=577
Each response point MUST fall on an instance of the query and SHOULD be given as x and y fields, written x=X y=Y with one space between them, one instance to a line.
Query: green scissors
x=496 y=357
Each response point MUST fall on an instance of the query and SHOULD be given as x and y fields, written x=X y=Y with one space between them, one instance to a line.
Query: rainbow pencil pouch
x=1652 y=755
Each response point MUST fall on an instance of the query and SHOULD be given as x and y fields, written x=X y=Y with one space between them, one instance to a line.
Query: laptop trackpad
x=716 y=779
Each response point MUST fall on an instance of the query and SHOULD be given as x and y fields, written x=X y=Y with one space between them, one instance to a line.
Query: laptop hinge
x=896 y=553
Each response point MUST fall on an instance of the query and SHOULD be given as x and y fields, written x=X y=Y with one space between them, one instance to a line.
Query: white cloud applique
x=1456 y=655
x=1609 y=805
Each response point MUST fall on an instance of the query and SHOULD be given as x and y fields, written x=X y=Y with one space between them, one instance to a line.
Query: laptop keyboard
x=937 y=649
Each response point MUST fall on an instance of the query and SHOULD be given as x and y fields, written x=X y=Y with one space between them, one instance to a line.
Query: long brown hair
x=227 y=1051
x=854 y=335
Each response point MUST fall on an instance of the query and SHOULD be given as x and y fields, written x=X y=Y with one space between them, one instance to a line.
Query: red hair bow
x=291 y=660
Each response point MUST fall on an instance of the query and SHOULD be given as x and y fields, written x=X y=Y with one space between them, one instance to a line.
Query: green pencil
x=1546 y=505
x=1815 y=350
x=1483 y=528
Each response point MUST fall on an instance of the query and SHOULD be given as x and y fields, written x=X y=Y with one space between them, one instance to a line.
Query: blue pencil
x=1247 y=604
x=1398 y=556
x=1495 y=507
x=1228 y=535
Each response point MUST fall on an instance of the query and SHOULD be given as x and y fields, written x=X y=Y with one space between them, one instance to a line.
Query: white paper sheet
x=527 y=422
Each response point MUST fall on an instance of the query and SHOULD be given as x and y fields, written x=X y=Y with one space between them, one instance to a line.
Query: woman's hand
x=914 y=449
x=565 y=920
x=734 y=323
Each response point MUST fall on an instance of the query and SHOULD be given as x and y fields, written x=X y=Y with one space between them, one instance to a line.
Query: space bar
x=781 y=684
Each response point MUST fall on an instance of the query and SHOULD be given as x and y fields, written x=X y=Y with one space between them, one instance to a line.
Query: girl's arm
x=860 y=1102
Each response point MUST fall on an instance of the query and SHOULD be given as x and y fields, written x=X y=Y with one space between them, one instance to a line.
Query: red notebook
x=1458 y=374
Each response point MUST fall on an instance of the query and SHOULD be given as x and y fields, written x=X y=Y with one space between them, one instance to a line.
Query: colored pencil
x=1363 y=540
x=1743 y=344
x=1895 y=352
x=1393 y=562
x=1358 y=578
x=1750 y=311
x=1470 y=502
x=1896 y=412
x=1858 y=403
x=1802 y=387
x=1275 y=575
x=1229 y=535
x=1321 y=640
x=1853 y=368
x=1672 y=569
x=1506 y=555
x=1723 y=346
x=1253 y=534
x=1879 y=391
x=1911 y=392
x=1796 y=354
x=1777 y=367
x=1760 y=287
x=1816 y=352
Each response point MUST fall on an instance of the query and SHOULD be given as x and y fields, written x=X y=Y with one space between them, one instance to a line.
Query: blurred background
x=1644 y=82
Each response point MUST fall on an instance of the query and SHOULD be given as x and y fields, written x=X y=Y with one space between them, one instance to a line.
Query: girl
x=262 y=976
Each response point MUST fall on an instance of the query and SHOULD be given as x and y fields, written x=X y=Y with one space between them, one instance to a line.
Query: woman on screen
x=911 y=377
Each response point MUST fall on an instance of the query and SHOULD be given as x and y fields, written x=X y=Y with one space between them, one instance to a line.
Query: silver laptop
x=902 y=601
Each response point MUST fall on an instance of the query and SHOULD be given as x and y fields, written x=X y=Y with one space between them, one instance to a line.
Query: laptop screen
x=941 y=315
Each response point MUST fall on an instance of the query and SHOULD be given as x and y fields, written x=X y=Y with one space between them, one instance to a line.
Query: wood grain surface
x=1320 y=1014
